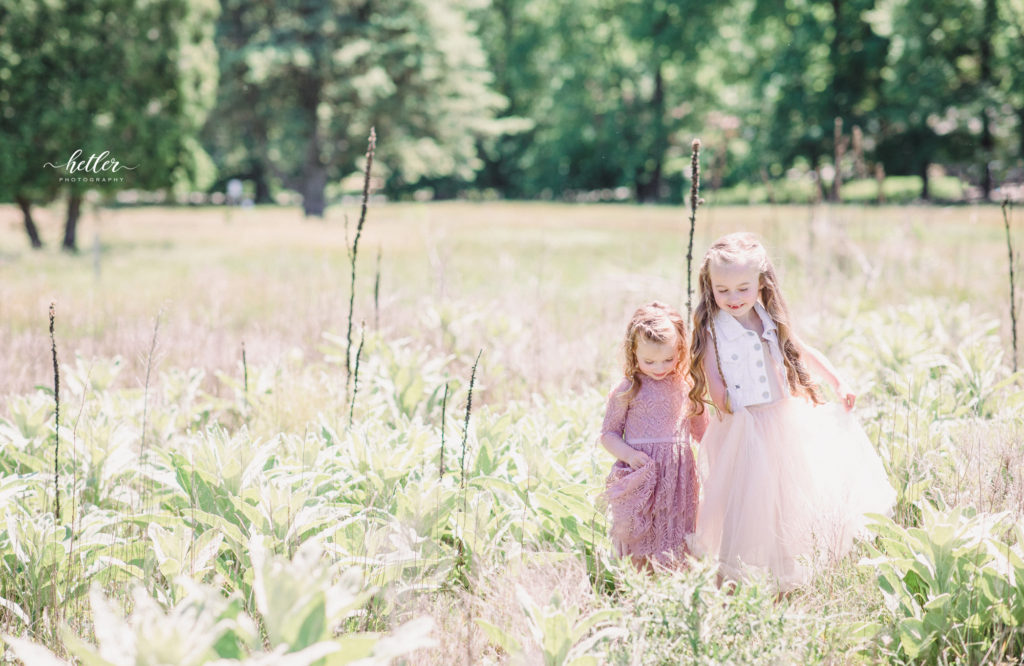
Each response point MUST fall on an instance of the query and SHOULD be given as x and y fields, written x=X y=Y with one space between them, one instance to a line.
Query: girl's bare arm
x=616 y=446
x=819 y=364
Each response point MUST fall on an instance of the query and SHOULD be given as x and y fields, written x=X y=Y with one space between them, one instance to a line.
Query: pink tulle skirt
x=653 y=508
x=786 y=487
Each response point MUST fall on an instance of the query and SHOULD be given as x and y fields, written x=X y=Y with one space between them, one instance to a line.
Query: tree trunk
x=314 y=184
x=314 y=172
x=1020 y=125
x=987 y=145
x=659 y=132
x=648 y=183
x=71 y=224
x=30 y=225
x=925 y=193
x=835 y=56
x=259 y=179
x=839 y=150
x=818 y=193
x=987 y=141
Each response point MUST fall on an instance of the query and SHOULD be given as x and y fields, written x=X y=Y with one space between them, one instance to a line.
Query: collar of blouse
x=727 y=326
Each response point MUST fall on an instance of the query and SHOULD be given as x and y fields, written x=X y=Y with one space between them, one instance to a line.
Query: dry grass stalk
x=694 y=202
x=460 y=562
x=56 y=467
x=372 y=145
x=1013 y=301
x=145 y=393
x=440 y=458
x=245 y=379
x=376 y=295
x=56 y=416
x=355 y=381
x=465 y=430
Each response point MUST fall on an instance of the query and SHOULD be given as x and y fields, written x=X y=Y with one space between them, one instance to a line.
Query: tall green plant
x=953 y=589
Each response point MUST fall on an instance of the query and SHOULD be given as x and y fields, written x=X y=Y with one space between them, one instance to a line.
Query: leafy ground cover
x=219 y=512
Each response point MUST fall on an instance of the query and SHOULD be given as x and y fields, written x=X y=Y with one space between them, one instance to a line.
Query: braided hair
x=747 y=249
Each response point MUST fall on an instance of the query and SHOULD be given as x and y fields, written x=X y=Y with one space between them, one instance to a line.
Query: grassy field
x=214 y=510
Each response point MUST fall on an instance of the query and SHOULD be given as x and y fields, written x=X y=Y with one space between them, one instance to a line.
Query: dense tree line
x=617 y=89
x=525 y=98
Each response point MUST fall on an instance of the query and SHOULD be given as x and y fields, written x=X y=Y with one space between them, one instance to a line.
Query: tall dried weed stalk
x=465 y=430
x=695 y=201
x=56 y=467
x=145 y=390
x=444 y=408
x=56 y=416
x=461 y=558
x=245 y=380
x=376 y=295
x=371 y=147
x=1013 y=296
x=355 y=377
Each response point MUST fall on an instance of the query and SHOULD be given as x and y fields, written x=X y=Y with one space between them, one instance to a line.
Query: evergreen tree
x=127 y=79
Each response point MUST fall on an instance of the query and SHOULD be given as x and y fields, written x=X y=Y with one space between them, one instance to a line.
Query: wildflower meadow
x=243 y=472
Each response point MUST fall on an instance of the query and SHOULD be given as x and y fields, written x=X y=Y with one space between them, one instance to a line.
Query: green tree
x=609 y=89
x=127 y=78
x=670 y=36
x=309 y=79
x=1008 y=77
x=236 y=130
x=931 y=88
x=28 y=110
x=813 y=61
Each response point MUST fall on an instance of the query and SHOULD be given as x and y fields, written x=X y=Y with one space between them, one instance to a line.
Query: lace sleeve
x=615 y=412
x=697 y=425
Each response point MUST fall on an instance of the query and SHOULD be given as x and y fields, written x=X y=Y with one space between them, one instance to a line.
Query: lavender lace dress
x=654 y=507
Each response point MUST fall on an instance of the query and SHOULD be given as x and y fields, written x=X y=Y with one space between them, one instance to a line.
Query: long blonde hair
x=657 y=323
x=743 y=248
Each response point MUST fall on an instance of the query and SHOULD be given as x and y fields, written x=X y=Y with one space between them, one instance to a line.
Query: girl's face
x=657 y=360
x=735 y=286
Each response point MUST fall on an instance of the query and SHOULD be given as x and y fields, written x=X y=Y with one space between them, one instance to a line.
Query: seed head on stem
x=56 y=416
x=695 y=201
x=371 y=147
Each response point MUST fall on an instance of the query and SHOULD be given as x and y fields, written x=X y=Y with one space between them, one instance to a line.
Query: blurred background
x=565 y=100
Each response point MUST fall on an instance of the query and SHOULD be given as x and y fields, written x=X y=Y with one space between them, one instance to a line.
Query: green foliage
x=560 y=635
x=305 y=85
x=70 y=83
x=204 y=626
x=282 y=533
x=895 y=189
x=954 y=590
x=579 y=99
x=685 y=617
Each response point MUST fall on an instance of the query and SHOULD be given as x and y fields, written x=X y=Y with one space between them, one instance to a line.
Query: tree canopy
x=127 y=79
x=522 y=98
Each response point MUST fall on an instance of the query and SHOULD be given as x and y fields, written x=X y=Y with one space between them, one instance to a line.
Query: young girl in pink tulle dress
x=652 y=489
x=786 y=479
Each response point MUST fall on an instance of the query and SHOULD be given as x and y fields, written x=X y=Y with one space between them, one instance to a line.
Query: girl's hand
x=847 y=397
x=637 y=459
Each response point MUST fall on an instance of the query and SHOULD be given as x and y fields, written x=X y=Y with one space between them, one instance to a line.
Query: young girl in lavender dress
x=786 y=479
x=652 y=488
